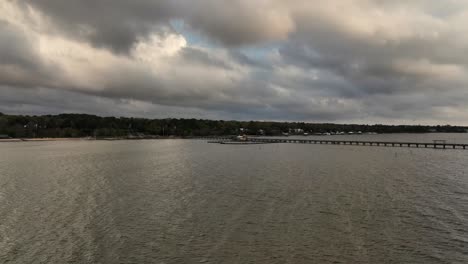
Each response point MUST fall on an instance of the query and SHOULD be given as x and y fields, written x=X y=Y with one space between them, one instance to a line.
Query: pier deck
x=435 y=145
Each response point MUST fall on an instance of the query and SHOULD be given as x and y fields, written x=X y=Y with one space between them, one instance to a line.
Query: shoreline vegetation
x=17 y=128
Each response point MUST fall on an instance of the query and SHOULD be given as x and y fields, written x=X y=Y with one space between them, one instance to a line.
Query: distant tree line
x=82 y=125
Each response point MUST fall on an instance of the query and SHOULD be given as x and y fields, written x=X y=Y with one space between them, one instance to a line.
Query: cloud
x=120 y=23
x=240 y=22
x=115 y=24
x=343 y=61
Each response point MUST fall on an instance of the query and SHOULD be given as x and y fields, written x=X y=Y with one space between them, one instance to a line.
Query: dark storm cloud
x=110 y=23
x=19 y=63
x=45 y=101
x=15 y=47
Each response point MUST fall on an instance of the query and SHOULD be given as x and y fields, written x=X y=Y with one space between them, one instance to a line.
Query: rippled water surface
x=186 y=201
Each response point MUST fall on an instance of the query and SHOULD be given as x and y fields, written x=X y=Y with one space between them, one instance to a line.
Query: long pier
x=435 y=145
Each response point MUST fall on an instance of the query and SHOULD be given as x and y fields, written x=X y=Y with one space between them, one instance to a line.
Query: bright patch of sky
x=194 y=38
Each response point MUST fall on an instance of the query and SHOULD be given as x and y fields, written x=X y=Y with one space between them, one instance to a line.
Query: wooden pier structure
x=437 y=144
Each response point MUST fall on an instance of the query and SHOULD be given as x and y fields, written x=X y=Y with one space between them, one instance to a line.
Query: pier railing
x=435 y=144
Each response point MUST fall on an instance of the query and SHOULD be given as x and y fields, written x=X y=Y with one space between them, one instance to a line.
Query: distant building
x=241 y=138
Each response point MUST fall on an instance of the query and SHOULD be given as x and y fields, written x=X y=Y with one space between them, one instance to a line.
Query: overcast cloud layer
x=365 y=61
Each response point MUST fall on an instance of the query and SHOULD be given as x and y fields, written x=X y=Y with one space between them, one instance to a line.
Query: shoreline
x=40 y=139
x=6 y=140
x=9 y=140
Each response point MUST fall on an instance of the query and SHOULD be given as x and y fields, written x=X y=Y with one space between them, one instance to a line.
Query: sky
x=341 y=61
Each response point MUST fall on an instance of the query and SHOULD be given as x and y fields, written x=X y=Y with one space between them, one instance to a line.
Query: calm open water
x=186 y=201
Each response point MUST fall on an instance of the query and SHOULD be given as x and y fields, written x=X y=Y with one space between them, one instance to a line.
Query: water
x=183 y=201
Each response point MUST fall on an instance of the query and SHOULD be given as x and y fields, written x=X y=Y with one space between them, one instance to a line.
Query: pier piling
x=435 y=145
